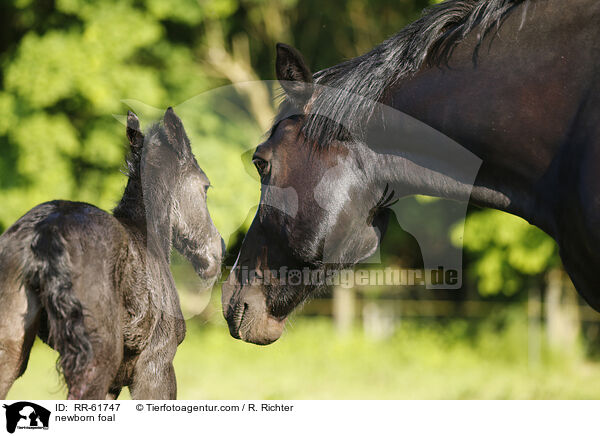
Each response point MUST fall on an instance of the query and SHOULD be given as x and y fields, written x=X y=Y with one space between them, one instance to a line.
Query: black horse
x=515 y=82
x=97 y=287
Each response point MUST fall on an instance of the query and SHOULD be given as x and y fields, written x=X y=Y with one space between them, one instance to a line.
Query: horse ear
x=176 y=133
x=134 y=133
x=293 y=74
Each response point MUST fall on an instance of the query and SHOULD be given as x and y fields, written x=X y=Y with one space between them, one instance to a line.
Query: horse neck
x=150 y=220
x=131 y=206
x=159 y=228
x=459 y=158
x=513 y=109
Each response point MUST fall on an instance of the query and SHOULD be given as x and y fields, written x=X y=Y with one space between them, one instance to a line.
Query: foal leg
x=113 y=394
x=94 y=381
x=91 y=384
x=19 y=320
x=154 y=375
x=154 y=383
x=92 y=378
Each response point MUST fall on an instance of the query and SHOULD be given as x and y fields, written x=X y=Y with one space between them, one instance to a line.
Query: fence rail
x=438 y=308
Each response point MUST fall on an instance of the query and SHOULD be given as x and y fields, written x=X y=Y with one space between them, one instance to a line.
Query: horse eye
x=206 y=188
x=262 y=166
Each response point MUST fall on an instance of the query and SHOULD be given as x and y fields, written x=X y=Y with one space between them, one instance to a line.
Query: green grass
x=503 y=358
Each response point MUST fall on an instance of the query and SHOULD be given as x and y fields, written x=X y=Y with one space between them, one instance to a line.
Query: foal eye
x=206 y=188
x=262 y=166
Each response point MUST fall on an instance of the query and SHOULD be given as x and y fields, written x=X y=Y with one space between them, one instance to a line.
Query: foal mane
x=133 y=206
x=364 y=80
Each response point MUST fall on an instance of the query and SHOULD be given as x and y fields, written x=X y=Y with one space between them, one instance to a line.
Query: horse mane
x=153 y=134
x=132 y=206
x=365 y=80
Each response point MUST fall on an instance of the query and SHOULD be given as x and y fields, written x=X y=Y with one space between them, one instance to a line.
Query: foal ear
x=176 y=133
x=293 y=74
x=134 y=133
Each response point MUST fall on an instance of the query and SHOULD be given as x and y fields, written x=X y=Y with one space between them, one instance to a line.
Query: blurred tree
x=66 y=67
x=505 y=251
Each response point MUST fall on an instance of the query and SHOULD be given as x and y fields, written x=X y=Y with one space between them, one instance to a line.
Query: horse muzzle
x=245 y=310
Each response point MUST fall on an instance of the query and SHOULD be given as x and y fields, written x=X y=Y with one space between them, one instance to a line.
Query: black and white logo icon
x=26 y=415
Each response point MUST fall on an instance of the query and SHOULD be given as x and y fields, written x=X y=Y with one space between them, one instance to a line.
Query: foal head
x=320 y=210
x=174 y=190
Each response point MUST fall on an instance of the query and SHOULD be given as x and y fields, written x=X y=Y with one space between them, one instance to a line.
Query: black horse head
x=320 y=209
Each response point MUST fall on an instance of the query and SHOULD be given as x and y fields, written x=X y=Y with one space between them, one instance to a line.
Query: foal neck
x=146 y=211
x=131 y=206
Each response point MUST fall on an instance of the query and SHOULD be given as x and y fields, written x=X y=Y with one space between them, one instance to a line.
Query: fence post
x=534 y=317
x=562 y=311
x=344 y=308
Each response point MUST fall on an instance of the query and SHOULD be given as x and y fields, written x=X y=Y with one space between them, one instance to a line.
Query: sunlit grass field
x=503 y=358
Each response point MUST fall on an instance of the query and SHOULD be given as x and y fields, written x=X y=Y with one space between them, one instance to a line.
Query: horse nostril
x=228 y=289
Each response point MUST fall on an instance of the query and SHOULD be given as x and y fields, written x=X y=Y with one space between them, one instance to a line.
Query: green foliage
x=506 y=249
x=62 y=85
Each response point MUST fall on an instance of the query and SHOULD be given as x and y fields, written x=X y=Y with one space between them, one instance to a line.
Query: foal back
x=54 y=261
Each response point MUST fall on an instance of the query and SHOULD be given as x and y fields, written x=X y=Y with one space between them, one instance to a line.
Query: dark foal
x=97 y=287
